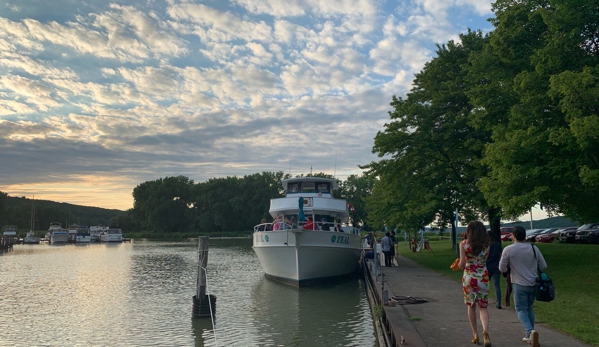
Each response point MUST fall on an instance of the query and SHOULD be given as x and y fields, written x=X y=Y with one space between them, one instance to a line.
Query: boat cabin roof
x=290 y=184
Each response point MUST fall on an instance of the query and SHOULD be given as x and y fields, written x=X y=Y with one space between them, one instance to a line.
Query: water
x=140 y=294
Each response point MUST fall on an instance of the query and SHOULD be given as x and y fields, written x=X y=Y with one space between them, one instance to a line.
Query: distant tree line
x=179 y=205
x=230 y=204
x=17 y=211
x=496 y=124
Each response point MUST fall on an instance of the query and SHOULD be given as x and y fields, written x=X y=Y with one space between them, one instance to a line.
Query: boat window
x=293 y=188
x=308 y=188
x=323 y=188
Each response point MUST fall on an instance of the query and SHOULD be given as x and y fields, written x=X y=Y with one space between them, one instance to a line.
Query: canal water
x=140 y=294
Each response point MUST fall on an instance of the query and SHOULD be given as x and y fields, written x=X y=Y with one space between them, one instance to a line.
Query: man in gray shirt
x=522 y=258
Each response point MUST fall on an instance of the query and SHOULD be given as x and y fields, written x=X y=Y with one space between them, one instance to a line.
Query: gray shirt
x=523 y=265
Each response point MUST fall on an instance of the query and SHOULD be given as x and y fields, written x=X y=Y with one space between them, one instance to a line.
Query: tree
x=435 y=152
x=163 y=205
x=526 y=91
x=3 y=208
x=356 y=189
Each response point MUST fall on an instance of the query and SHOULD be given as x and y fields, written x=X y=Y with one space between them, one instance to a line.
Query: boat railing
x=322 y=226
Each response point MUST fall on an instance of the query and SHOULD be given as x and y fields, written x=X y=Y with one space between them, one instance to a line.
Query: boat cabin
x=310 y=186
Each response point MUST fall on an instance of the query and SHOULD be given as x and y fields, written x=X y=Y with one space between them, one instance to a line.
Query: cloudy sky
x=98 y=96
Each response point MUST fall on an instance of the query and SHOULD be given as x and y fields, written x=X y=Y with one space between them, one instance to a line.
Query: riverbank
x=573 y=268
x=439 y=319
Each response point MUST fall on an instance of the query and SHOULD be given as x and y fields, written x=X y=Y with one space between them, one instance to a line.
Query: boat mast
x=32 y=224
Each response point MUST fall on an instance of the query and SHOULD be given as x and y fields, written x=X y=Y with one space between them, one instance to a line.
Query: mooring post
x=203 y=305
x=202 y=263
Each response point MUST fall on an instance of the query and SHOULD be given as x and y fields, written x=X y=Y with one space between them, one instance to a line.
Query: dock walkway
x=442 y=321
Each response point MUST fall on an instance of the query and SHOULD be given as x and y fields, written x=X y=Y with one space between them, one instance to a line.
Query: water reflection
x=140 y=294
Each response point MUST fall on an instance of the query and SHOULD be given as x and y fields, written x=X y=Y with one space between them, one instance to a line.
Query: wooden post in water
x=203 y=305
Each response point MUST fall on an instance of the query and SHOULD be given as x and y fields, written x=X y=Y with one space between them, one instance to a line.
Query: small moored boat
x=31 y=238
x=95 y=232
x=112 y=234
x=83 y=235
x=57 y=234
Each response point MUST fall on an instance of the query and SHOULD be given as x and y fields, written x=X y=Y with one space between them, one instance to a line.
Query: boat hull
x=301 y=257
x=59 y=238
x=111 y=238
x=31 y=240
x=83 y=238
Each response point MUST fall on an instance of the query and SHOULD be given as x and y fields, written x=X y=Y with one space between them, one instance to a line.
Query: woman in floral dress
x=474 y=251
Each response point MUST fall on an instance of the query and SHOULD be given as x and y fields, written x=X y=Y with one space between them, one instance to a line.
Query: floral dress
x=476 y=277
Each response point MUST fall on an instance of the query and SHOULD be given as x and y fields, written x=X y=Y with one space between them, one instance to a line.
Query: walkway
x=442 y=321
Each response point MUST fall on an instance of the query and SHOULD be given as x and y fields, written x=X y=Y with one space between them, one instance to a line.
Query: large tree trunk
x=495 y=223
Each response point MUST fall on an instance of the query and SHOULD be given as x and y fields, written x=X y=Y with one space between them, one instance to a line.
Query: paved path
x=443 y=321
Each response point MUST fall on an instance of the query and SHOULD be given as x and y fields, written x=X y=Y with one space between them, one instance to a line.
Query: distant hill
x=18 y=212
x=553 y=222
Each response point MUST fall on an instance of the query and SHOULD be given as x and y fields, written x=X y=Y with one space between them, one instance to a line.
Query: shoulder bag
x=455 y=265
x=544 y=288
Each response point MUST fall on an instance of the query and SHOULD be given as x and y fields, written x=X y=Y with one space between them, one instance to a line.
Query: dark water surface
x=140 y=294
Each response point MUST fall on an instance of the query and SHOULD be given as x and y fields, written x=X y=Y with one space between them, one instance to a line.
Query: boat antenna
x=310 y=170
x=289 y=163
x=335 y=172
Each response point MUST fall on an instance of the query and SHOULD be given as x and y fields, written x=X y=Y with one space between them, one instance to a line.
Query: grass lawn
x=575 y=273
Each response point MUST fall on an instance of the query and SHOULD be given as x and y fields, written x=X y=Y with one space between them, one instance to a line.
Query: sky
x=98 y=96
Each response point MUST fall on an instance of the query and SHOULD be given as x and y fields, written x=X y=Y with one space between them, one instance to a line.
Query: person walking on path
x=393 y=245
x=493 y=268
x=474 y=251
x=386 y=246
x=523 y=259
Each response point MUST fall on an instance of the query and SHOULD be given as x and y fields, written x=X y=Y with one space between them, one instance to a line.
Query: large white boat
x=82 y=235
x=57 y=233
x=304 y=252
x=111 y=234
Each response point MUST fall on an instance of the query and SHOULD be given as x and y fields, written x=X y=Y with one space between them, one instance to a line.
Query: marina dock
x=442 y=320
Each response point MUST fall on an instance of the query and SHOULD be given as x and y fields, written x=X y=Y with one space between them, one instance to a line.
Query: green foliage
x=177 y=204
x=17 y=211
x=435 y=153
x=495 y=125
x=542 y=61
x=356 y=189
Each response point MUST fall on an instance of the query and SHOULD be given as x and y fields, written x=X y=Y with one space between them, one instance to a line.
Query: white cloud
x=202 y=88
x=130 y=29
x=159 y=83
x=21 y=63
x=34 y=92
x=12 y=107
x=293 y=8
x=220 y=26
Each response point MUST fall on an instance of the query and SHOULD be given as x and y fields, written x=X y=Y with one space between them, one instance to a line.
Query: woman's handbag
x=544 y=288
x=455 y=265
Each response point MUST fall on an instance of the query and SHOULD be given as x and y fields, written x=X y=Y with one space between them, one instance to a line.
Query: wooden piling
x=203 y=305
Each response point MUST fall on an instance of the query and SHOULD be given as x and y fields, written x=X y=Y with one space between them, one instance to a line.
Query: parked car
x=533 y=236
x=588 y=233
x=506 y=233
x=567 y=235
x=548 y=237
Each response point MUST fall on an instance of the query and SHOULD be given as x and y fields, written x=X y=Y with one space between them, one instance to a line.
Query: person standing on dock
x=387 y=246
x=474 y=251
